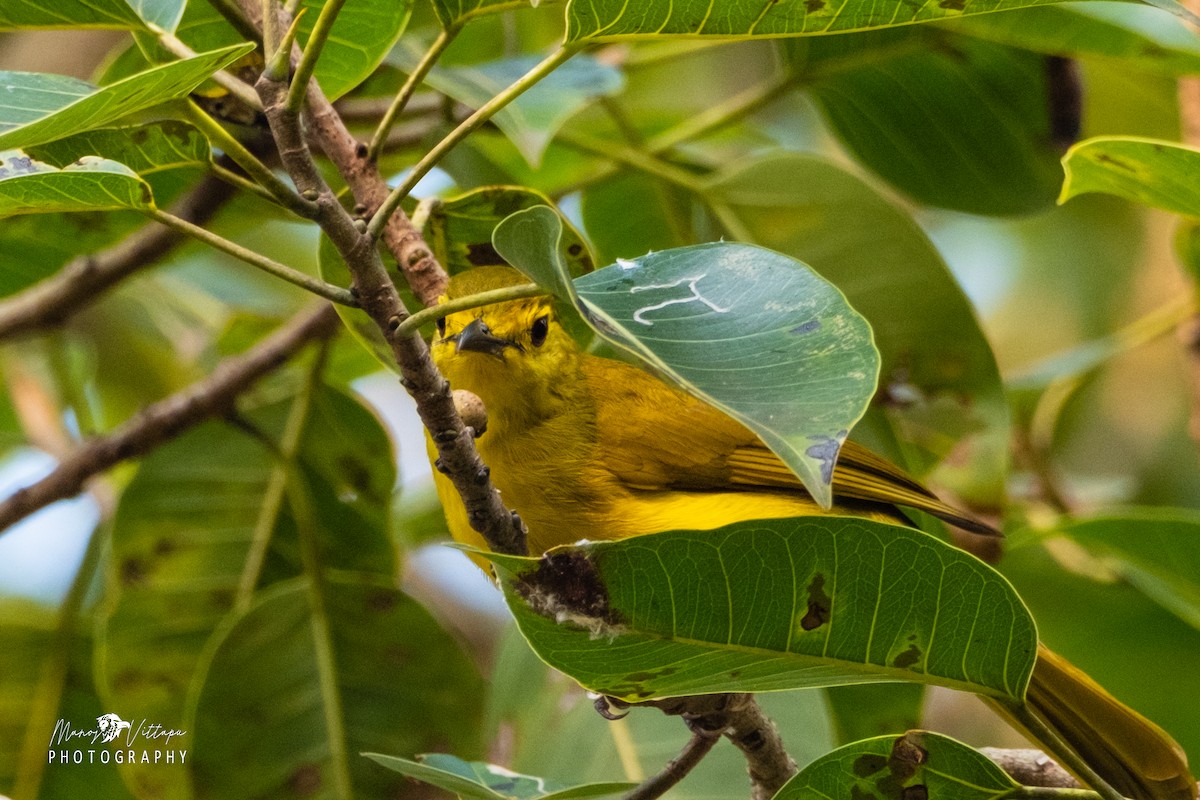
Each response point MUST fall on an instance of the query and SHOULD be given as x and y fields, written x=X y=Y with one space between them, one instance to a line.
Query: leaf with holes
x=769 y=605
x=90 y=184
x=917 y=764
x=1154 y=173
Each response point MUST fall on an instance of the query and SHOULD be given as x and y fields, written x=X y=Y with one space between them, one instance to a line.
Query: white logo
x=110 y=726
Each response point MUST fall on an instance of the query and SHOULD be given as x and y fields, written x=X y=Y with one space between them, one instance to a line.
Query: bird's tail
x=1135 y=756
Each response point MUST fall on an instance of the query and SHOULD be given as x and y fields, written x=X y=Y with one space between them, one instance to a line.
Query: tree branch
x=501 y=529
x=676 y=769
x=170 y=417
x=739 y=718
x=84 y=280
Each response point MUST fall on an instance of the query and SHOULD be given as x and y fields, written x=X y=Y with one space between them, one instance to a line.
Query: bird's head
x=515 y=355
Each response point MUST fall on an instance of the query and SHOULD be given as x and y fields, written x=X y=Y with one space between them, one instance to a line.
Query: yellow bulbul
x=584 y=447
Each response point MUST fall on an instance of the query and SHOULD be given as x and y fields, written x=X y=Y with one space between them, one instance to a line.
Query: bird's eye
x=541 y=327
x=441 y=326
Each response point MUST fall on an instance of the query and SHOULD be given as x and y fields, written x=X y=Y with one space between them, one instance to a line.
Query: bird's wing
x=657 y=437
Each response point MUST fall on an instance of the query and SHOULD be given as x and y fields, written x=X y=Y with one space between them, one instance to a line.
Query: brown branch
x=677 y=769
x=740 y=719
x=84 y=280
x=1031 y=768
x=170 y=417
x=501 y=529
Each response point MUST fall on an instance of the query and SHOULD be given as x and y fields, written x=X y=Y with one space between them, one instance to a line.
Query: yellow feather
x=587 y=448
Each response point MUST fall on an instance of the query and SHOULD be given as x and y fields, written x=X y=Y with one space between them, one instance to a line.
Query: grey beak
x=478 y=338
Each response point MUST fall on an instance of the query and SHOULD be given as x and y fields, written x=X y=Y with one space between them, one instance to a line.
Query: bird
x=585 y=447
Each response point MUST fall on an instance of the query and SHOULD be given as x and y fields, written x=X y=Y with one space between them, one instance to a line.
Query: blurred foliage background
x=873 y=156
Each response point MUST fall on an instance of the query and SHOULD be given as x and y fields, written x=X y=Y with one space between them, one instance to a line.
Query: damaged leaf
x=769 y=605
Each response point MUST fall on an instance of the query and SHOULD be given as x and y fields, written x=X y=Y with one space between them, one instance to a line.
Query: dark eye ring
x=441 y=326
x=541 y=327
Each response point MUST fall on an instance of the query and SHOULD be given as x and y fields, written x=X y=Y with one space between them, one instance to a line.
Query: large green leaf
x=917 y=764
x=186 y=526
x=531 y=120
x=957 y=122
x=768 y=605
x=939 y=381
x=482 y=781
x=294 y=693
x=1157 y=551
x=1147 y=38
x=757 y=334
x=145 y=149
x=164 y=14
x=614 y=19
x=27 y=640
x=91 y=184
x=1154 y=173
x=38 y=108
x=18 y=14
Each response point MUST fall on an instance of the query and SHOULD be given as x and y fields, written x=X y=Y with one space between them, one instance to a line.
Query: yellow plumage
x=588 y=448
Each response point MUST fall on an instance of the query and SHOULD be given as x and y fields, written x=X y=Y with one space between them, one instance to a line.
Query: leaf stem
x=467 y=126
x=312 y=52
x=631 y=157
x=334 y=294
x=257 y=170
x=379 y=138
x=47 y=696
x=242 y=182
x=427 y=315
x=238 y=88
x=1042 y=732
x=300 y=499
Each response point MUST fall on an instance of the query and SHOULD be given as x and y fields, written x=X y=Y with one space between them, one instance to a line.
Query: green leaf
x=769 y=605
x=660 y=222
x=1154 y=173
x=531 y=120
x=874 y=709
x=28 y=637
x=39 y=108
x=919 y=763
x=145 y=149
x=23 y=14
x=91 y=184
x=1147 y=37
x=163 y=14
x=939 y=380
x=395 y=681
x=459 y=229
x=605 y=20
x=958 y=123
x=184 y=530
x=457 y=12
x=739 y=326
x=1157 y=551
x=483 y=781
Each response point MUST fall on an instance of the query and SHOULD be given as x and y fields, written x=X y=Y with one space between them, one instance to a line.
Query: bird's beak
x=478 y=338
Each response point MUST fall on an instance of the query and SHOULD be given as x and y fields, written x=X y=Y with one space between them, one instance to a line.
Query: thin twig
x=235 y=86
x=86 y=279
x=739 y=718
x=398 y=104
x=465 y=128
x=677 y=768
x=377 y=295
x=312 y=52
x=427 y=315
x=334 y=294
x=170 y=417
